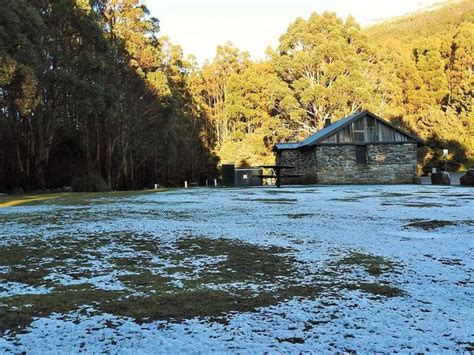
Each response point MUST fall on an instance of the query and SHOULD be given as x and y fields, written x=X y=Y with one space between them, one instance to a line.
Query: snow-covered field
x=320 y=269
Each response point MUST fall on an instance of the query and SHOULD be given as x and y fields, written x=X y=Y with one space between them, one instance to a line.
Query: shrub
x=90 y=182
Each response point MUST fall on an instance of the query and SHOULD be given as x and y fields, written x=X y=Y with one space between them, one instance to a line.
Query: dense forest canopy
x=92 y=96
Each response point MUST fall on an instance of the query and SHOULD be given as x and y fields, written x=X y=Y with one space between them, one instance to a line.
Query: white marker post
x=156 y=186
x=445 y=156
x=215 y=182
x=185 y=184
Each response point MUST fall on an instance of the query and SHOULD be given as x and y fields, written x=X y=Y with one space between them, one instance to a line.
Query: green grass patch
x=415 y=205
x=278 y=201
x=299 y=215
x=429 y=225
x=217 y=277
x=17 y=312
x=373 y=265
x=152 y=295
x=70 y=198
x=377 y=289
x=395 y=194
x=242 y=263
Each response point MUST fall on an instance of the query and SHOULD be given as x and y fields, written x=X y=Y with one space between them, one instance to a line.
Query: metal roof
x=333 y=128
x=287 y=145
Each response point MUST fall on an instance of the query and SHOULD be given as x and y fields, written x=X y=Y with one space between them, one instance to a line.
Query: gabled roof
x=322 y=134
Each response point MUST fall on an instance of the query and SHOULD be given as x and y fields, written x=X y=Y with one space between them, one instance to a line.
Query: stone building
x=358 y=149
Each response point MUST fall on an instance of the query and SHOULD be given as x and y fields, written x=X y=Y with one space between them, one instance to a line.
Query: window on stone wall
x=361 y=154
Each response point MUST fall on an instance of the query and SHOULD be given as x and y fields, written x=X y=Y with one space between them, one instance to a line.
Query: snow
x=319 y=224
x=8 y=289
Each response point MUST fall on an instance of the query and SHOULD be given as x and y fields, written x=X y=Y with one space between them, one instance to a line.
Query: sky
x=252 y=25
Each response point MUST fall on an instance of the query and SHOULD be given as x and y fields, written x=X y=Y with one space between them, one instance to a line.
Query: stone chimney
x=327 y=122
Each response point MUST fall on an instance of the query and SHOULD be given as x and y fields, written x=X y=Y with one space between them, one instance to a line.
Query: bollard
x=215 y=182
x=156 y=186
x=185 y=184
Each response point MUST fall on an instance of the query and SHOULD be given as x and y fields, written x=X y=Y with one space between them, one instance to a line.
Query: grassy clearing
x=190 y=277
x=10 y=201
x=69 y=198
x=17 y=312
x=149 y=295
x=242 y=262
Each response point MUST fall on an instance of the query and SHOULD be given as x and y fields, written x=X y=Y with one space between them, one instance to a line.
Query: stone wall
x=336 y=164
x=304 y=161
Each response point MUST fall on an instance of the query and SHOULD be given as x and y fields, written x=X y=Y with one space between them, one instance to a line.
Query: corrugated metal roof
x=333 y=128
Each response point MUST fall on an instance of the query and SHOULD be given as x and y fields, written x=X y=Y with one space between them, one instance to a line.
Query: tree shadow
x=98 y=114
x=431 y=154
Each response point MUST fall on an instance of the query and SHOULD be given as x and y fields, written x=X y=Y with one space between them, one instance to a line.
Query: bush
x=90 y=182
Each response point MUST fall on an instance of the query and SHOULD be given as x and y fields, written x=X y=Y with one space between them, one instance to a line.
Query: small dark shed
x=361 y=148
x=248 y=177
x=228 y=175
x=232 y=176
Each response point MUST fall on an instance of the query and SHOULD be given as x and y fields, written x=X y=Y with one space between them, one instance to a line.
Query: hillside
x=424 y=23
x=431 y=53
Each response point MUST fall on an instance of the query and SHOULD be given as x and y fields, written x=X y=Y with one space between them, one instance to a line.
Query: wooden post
x=278 y=178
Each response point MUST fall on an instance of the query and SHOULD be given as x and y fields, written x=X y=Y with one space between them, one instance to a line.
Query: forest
x=93 y=97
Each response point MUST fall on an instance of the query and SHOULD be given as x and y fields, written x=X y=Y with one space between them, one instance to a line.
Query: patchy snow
x=108 y=282
x=8 y=289
x=319 y=224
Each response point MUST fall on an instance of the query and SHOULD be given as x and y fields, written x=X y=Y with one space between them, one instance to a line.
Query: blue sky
x=253 y=25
